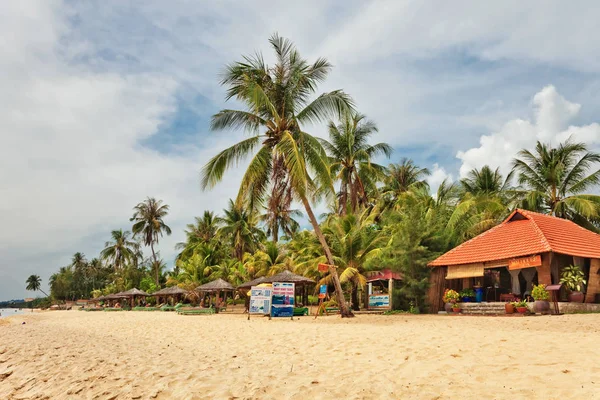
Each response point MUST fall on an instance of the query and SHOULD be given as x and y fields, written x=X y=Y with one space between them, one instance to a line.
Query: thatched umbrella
x=290 y=277
x=169 y=292
x=216 y=286
x=133 y=293
x=253 y=282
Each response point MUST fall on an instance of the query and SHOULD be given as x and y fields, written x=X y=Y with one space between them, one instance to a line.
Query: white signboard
x=260 y=300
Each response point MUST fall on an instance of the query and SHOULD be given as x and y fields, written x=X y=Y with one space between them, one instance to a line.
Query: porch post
x=544 y=275
x=593 y=286
x=390 y=289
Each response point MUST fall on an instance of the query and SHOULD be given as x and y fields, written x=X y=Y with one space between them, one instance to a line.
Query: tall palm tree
x=486 y=181
x=279 y=214
x=240 y=225
x=403 y=177
x=556 y=178
x=120 y=250
x=277 y=103
x=350 y=157
x=149 y=223
x=34 y=283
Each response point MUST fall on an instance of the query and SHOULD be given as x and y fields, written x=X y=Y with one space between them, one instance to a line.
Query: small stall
x=217 y=287
x=380 y=287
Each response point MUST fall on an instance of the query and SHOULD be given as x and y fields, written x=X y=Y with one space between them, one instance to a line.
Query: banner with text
x=283 y=299
x=260 y=300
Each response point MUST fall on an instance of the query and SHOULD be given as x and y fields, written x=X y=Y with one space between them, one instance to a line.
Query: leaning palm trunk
x=344 y=309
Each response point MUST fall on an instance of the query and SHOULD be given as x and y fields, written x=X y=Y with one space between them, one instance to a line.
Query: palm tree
x=556 y=178
x=486 y=198
x=148 y=216
x=240 y=226
x=350 y=157
x=34 y=283
x=121 y=250
x=278 y=213
x=354 y=241
x=403 y=177
x=278 y=101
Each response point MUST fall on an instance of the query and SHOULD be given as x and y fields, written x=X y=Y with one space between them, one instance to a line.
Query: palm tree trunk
x=344 y=310
x=155 y=263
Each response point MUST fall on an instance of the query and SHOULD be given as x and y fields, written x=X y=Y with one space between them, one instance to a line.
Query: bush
x=539 y=293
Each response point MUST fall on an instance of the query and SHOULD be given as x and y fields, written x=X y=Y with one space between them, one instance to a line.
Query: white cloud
x=552 y=114
x=438 y=175
x=71 y=163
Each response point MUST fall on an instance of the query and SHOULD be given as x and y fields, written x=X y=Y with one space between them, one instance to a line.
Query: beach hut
x=380 y=288
x=298 y=280
x=505 y=261
x=132 y=294
x=173 y=292
x=217 y=286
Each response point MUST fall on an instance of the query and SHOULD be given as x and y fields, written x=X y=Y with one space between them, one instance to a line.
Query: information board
x=322 y=291
x=282 y=303
x=379 y=301
x=260 y=300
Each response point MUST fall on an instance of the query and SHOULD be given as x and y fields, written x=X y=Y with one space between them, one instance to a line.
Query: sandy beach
x=129 y=355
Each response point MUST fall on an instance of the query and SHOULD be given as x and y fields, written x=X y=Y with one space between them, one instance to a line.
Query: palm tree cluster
x=380 y=216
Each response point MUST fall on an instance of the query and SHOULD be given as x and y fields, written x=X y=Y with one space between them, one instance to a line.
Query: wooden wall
x=593 y=285
x=437 y=285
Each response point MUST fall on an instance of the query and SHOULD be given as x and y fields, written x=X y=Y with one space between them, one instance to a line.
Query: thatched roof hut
x=287 y=276
x=254 y=282
x=133 y=293
x=215 y=286
x=170 y=291
x=114 y=296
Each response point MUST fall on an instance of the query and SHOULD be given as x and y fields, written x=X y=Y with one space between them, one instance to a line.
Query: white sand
x=157 y=355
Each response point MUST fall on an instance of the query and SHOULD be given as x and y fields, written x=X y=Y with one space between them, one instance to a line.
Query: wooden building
x=527 y=248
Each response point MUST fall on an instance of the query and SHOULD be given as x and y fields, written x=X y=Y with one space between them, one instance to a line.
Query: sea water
x=7 y=312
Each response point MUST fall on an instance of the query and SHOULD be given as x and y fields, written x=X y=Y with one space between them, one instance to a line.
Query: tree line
x=379 y=216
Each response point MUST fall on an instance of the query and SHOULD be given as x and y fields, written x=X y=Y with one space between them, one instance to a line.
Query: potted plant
x=521 y=306
x=467 y=295
x=541 y=297
x=456 y=308
x=450 y=297
x=509 y=308
x=573 y=279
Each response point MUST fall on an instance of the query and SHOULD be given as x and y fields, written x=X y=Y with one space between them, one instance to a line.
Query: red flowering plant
x=451 y=296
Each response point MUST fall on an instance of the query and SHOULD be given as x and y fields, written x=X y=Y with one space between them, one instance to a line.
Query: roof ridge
x=543 y=237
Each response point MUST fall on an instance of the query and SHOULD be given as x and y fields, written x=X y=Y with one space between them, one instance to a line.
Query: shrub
x=539 y=292
x=451 y=296
x=573 y=278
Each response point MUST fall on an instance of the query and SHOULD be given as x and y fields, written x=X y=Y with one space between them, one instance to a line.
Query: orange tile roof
x=524 y=233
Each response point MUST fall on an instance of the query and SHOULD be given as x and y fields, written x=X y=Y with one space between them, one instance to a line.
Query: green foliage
x=539 y=292
x=573 y=278
x=451 y=296
x=467 y=293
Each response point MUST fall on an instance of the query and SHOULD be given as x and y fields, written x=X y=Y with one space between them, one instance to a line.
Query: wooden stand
x=554 y=289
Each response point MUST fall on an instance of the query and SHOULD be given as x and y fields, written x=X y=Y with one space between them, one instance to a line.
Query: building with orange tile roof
x=525 y=248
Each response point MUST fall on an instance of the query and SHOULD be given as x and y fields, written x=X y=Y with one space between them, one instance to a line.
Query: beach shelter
x=170 y=292
x=506 y=260
x=299 y=281
x=217 y=286
x=246 y=287
x=132 y=294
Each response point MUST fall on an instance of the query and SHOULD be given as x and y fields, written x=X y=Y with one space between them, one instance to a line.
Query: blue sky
x=107 y=102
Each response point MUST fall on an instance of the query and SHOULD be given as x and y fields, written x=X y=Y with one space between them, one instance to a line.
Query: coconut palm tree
x=403 y=177
x=34 y=283
x=354 y=240
x=121 y=250
x=278 y=103
x=149 y=223
x=279 y=214
x=239 y=225
x=555 y=180
x=350 y=156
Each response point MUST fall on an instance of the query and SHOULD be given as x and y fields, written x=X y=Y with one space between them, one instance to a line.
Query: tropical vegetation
x=379 y=216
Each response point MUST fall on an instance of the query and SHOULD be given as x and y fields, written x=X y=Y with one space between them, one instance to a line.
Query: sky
x=105 y=103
